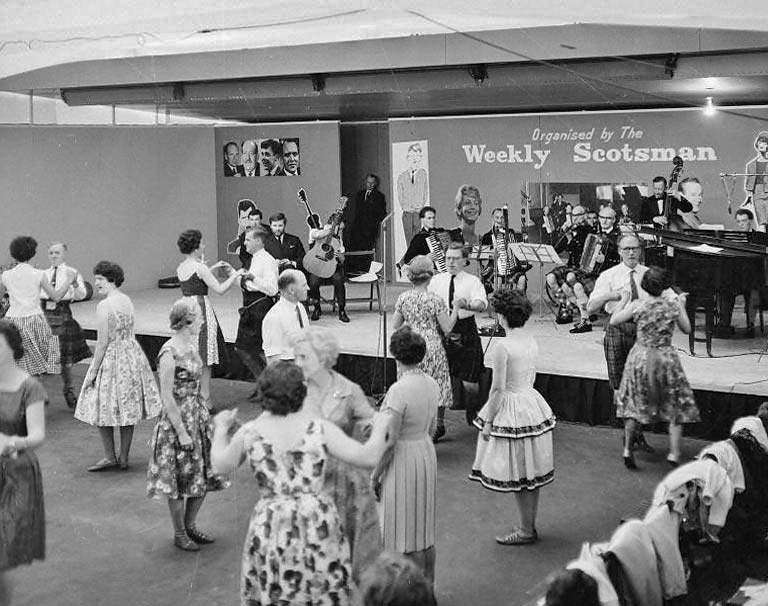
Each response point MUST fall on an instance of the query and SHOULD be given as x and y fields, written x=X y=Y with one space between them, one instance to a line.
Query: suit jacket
x=412 y=195
x=238 y=170
x=280 y=172
x=292 y=248
x=362 y=218
x=650 y=208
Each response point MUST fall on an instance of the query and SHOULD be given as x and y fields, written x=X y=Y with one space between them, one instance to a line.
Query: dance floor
x=736 y=368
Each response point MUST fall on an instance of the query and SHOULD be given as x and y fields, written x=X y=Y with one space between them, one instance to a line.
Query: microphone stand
x=384 y=230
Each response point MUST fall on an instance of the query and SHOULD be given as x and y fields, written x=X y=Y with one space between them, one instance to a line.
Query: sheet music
x=706 y=248
x=535 y=253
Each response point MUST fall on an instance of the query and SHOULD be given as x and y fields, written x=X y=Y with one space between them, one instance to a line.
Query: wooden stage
x=734 y=369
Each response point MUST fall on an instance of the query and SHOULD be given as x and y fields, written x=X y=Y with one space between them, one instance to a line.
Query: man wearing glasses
x=609 y=289
x=568 y=282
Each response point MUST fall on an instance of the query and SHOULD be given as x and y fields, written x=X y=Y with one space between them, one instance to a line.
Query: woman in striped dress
x=23 y=284
x=196 y=278
x=406 y=477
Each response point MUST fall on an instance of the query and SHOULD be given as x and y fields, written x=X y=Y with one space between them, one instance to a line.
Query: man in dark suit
x=272 y=158
x=362 y=219
x=232 y=166
x=652 y=209
x=286 y=248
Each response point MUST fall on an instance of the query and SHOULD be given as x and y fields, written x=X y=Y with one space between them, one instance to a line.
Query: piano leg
x=710 y=327
x=706 y=303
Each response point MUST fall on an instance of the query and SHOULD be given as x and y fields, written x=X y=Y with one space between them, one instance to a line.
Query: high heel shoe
x=629 y=461
x=673 y=461
x=199 y=537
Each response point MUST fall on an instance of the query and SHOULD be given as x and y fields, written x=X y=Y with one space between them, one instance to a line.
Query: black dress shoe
x=629 y=462
x=583 y=326
x=641 y=444
x=343 y=316
x=316 y=314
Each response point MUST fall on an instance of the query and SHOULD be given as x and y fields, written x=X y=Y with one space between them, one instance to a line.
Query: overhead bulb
x=709 y=83
x=709 y=108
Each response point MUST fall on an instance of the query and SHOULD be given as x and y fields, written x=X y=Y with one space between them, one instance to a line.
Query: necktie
x=53 y=279
x=367 y=194
x=413 y=176
x=451 y=292
x=298 y=315
x=632 y=286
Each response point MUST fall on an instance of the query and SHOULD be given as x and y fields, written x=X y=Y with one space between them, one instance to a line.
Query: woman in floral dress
x=295 y=549
x=119 y=389
x=180 y=448
x=336 y=398
x=654 y=387
x=427 y=314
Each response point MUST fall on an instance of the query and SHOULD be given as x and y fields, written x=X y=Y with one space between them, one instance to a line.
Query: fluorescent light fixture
x=709 y=108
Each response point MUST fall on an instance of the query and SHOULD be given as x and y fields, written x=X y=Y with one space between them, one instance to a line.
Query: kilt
x=617 y=342
x=465 y=351
x=252 y=314
x=586 y=280
x=71 y=338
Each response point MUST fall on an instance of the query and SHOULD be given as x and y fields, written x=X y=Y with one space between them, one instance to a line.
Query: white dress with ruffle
x=518 y=455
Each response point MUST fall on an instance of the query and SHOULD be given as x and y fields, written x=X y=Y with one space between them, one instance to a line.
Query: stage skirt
x=518 y=455
x=407 y=507
x=41 y=347
x=72 y=343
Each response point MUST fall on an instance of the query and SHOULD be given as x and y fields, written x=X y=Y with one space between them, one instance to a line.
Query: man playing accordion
x=589 y=254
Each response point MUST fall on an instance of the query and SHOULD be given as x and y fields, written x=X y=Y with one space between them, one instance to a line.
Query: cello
x=674 y=221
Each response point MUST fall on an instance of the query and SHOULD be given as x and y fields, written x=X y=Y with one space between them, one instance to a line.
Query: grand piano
x=707 y=263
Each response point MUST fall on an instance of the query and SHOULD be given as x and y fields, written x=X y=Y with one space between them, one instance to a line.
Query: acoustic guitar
x=323 y=256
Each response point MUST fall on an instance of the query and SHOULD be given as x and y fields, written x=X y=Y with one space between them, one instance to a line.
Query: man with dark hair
x=653 y=209
x=248 y=216
x=272 y=158
x=412 y=189
x=259 y=286
x=418 y=245
x=362 y=218
x=458 y=288
x=291 y=157
x=286 y=248
x=232 y=166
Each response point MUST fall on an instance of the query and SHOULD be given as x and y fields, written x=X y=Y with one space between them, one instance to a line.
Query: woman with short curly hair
x=196 y=279
x=337 y=399
x=427 y=314
x=24 y=283
x=180 y=448
x=295 y=546
x=119 y=389
x=514 y=449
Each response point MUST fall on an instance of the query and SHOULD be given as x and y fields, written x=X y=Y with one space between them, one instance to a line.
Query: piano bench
x=706 y=302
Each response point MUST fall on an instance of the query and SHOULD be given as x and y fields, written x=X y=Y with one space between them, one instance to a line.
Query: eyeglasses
x=604 y=217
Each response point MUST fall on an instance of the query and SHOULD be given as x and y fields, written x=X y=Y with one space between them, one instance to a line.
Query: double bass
x=675 y=222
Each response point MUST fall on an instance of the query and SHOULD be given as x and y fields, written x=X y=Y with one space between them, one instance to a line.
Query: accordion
x=438 y=242
x=593 y=246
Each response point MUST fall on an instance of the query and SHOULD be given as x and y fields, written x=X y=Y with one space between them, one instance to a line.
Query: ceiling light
x=709 y=108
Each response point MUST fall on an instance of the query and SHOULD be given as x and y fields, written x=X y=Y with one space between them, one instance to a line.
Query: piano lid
x=730 y=243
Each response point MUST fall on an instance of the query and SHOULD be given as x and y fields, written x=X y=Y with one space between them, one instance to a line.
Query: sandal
x=518 y=537
x=104 y=465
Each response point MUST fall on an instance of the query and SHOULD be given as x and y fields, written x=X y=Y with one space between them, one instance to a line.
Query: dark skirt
x=22 y=511
x=71 y=338
x=617 y=343
x=465 y=351
x=586 y=280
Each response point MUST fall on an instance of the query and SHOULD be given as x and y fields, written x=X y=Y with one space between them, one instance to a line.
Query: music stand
x=537 y=253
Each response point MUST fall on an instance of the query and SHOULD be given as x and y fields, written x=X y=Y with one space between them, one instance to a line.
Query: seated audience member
x=394 y=580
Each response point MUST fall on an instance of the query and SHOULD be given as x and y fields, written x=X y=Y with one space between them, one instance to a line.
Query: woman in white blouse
x=23 y=284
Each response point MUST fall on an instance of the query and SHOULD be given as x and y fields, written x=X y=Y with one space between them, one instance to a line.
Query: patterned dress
x=654 y=387
x=22 y=513
x=212 y=347
x=295 y=549
x=174 y=473
x=124 y=391
x=420 y=310
x=345 y=404
x=518 y=455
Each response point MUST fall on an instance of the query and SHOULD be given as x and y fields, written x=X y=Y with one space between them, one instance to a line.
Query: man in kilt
x=608 y=291
x=59 y=315
x=464 y=350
